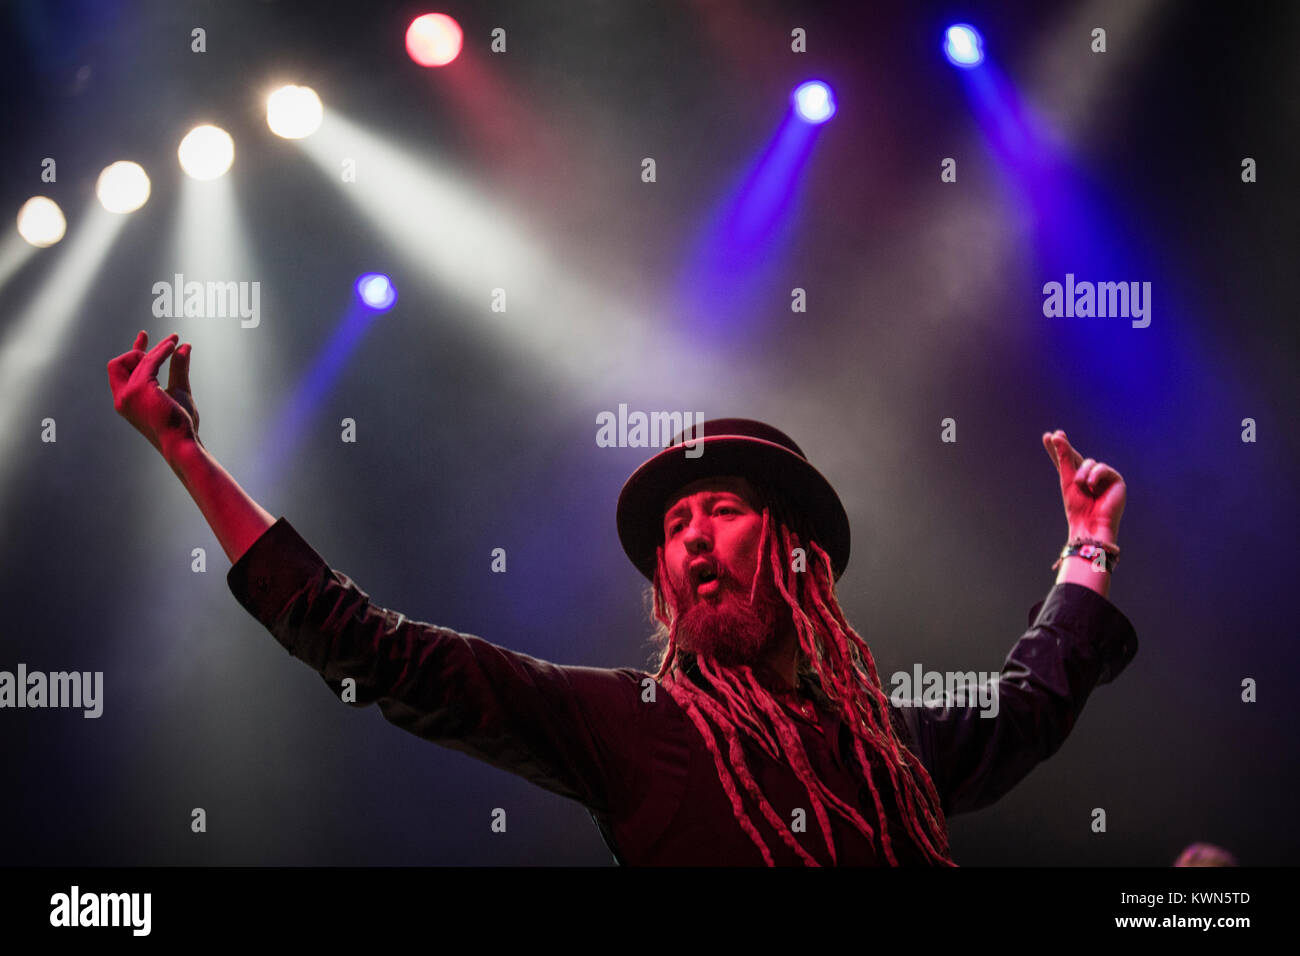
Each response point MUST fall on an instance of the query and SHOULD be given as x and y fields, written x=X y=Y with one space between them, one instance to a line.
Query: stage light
x=123 y=187
x=433 y=39
x=293 y=112
x=206 y=152
x=963 y=46
x=376 y=291
x=41 y=222
x=814 y=102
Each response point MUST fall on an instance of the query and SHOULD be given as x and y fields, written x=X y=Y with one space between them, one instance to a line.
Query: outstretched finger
x=154 y=358
x=1067 y=450
x=178 y=375
x=1067 y=459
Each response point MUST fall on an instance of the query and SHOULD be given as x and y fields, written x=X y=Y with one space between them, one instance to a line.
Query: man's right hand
x=165 y=417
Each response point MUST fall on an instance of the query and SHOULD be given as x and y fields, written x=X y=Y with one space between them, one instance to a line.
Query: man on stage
x=765 y=737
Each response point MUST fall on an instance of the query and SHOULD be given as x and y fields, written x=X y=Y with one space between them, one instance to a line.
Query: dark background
x=477 y=432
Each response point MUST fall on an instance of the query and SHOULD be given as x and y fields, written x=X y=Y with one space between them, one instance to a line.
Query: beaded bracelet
x=1092 y=549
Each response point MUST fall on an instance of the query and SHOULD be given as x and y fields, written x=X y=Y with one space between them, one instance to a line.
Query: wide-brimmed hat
x=729 y=446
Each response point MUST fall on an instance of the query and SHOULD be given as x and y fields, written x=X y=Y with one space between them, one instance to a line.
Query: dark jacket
x=621 y=746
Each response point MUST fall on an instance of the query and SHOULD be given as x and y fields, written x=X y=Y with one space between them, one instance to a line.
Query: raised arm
x=1077 y=639
x=577 y=731
x=169 y=419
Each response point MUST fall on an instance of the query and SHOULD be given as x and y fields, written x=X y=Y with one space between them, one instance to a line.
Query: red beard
x=725 y=627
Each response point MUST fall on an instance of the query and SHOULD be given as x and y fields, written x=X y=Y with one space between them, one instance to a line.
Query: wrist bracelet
x=1102 y=554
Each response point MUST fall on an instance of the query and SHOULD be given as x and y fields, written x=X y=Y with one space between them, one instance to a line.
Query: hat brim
x=648 y=491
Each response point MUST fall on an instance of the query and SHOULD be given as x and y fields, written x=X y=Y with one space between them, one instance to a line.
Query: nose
x=695 y=537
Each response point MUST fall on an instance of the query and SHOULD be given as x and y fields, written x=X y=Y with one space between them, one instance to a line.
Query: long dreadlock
x=833 y=652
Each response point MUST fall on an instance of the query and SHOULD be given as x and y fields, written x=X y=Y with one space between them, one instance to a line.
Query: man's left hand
x=1093 y=492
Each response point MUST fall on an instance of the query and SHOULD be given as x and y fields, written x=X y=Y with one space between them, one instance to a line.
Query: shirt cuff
x=271 y=572
x=1081 y=610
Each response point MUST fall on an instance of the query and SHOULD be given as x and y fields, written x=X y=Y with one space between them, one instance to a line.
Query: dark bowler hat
x=731 y=446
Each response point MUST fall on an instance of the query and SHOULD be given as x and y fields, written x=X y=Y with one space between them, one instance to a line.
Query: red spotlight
x=433 y=39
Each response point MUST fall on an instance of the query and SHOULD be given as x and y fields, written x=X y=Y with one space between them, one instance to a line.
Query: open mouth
x=707 y=581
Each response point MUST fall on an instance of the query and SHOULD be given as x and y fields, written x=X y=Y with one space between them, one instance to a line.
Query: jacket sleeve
x=570 y=730
x=1076 y=640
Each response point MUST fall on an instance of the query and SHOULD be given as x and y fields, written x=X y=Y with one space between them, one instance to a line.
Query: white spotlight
x=206 y=152
x=123 y=187
x=41 y=222
x=293 y=112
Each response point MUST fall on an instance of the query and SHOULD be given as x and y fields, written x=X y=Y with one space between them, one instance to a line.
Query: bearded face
x=712 y=532
x=727 y=628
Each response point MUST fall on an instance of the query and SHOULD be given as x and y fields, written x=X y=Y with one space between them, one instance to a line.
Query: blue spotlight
x=814 y=102
x=377 y=291
x=963 y=46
